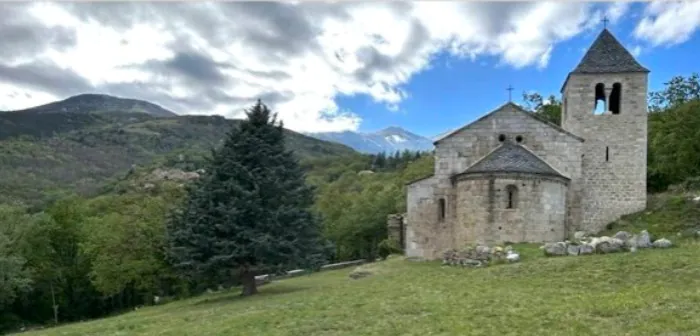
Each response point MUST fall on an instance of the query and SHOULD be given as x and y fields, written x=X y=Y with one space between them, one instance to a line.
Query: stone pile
x=480 y=256
x=584 y=244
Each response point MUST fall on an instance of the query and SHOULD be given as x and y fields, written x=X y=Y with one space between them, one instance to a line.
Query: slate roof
x=512 y=158
x=607 y=55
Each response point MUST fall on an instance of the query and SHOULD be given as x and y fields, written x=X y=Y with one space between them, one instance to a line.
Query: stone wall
x=425 y=234
x=395 y=229
x=616 y=186
x=561 y=149
x=538 y=213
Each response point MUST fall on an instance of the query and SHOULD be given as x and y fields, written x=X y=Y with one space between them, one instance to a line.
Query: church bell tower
x=604 y=101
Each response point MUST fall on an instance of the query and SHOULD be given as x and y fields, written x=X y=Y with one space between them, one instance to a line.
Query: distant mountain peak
x=393 y=129
x=388 y=140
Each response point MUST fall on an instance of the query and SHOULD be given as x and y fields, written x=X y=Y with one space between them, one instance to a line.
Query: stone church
x=511 y=177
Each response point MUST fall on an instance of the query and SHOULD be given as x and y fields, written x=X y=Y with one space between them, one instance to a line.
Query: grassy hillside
x=669 y=214
x=651 y=292
x=45 y=156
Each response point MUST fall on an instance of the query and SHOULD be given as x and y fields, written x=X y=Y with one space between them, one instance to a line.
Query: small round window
x=519 y=138
x=502 y=137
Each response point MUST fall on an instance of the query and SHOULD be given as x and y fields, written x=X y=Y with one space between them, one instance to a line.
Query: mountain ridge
x=98 y=103
x=47 y=153
x=387 y=140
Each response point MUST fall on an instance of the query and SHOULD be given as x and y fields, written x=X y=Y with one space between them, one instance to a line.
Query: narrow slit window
x=512 y=196
x=607 y=153
x=441 y=209
x=600 y=105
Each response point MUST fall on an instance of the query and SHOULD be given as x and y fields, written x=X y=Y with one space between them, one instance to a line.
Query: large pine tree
x=249 y=212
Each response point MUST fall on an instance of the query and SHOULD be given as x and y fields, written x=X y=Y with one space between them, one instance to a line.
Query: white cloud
x=218 y=58
x=668 y=22
x=636 y=51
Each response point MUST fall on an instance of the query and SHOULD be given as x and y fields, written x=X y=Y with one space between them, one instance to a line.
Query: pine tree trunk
x=248 y=281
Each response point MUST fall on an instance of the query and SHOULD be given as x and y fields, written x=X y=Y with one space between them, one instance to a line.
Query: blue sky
x=456 y=91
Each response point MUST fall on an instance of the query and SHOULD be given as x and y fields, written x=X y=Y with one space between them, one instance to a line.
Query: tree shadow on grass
x=233 y=294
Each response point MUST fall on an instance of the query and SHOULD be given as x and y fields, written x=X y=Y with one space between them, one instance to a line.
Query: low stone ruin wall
x=480 y=256
x=623 y=241
x=266 y=278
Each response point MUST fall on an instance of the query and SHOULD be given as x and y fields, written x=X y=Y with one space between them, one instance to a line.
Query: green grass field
x=652 y=292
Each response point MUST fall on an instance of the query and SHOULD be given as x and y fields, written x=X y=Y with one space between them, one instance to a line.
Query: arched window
x=511 y=196
x=600 y=105
x=615 y=98
x=441 y=209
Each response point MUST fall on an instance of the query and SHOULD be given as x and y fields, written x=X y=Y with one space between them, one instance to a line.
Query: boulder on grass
x=512 y=256
x=573 y=250
x=609 y=245
x=642 y=240
x=555 y=249
x=586 y=249
x=623 y=235
x=662 y=243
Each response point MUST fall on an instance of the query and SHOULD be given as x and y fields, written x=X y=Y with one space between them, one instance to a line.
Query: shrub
x=387 y=247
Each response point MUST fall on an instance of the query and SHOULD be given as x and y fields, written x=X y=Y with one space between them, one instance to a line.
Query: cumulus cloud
x=219 y=57
x=668 y=22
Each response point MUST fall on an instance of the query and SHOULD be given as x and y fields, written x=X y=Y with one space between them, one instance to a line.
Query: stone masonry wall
x=395 y=229
x=618 y=186
x=539 y=214
x=561 y=150
x=425 y=234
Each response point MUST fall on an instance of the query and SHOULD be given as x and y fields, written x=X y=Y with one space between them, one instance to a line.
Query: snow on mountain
x=395 y=138
x=388 y=140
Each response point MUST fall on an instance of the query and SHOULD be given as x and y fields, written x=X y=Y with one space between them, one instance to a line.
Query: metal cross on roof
x=605 y=22
x=510 y=92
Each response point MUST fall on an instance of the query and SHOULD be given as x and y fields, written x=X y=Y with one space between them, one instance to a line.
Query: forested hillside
x=44 y=156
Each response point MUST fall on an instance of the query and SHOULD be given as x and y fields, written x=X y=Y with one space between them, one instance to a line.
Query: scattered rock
x=512 y=256
x=621 y=241
x=555 y=249
x=609 y=245
x=479 y=256
x=481 y=249
x=573 y=249
x=696 y=199
x=472 y=262
x=623 y=235
x=586 y=249
x=643 y=240
x=580 y=235
x=662 y=243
